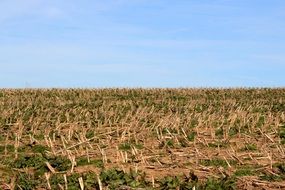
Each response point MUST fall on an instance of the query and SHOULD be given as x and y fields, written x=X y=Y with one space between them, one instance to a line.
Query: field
x=142 y=139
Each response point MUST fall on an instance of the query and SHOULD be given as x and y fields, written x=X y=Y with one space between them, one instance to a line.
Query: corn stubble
x=142 y=139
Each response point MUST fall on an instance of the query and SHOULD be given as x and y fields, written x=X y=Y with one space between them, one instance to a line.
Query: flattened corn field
x=142 y=139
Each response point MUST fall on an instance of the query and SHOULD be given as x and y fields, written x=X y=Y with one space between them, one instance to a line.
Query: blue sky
x=142 y=43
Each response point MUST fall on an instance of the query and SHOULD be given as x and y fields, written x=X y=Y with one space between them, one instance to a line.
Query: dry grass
x=163 y=132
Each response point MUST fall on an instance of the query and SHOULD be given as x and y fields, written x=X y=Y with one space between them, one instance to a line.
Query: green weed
x=218 y=162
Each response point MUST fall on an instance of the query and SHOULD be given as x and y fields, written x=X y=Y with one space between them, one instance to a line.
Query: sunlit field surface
x=142 y=139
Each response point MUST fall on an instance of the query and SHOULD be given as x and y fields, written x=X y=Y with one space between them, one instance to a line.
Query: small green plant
x=114 y=178
x=2 y=138
x=179 y=182
x=2 y=148
x=170 y=143
x=72 y=181
x=60 y=163
x=170 y=182
x=192 y=182
x=84 y=161
x=219 y=132
x=281 y=167
x=233 y=131
x=183 y=142
x=193 y=123
x=218 y=144
x=40 y=149
x=271 y=177
x=55 y=180
x=191 y=136
x=91 y=181
x=89 y=134
x=35 y=161
x=125 y=146
x=139 y=146
x=261 y=121
x=26 y=182
x=220 y=184
x=244 y=172
x=167 y=143
x=10 y=148
x=218 y=162
x=249 y=147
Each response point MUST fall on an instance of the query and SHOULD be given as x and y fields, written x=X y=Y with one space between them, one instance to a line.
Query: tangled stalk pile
x=142 y=139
